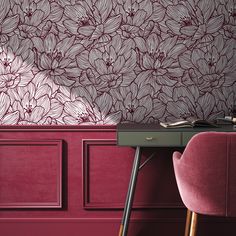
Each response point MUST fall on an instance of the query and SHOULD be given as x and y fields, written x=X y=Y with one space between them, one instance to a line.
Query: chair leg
x=193 y=228
x=188 y=222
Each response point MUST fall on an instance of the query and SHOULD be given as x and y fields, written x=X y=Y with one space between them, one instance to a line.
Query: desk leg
x=130 y=194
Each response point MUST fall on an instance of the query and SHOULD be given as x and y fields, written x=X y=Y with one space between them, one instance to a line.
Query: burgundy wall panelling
x=106 y=176
x=157 y=208
x=30 y=173
x=101 y=144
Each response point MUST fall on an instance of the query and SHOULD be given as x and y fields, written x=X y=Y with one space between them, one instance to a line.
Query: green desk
x=152 y=135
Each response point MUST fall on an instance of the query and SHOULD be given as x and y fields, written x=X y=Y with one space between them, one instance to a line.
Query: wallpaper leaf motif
x=109 y=61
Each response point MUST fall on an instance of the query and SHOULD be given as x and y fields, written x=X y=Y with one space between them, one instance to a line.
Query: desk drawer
x=187 y=136
x=149 y=139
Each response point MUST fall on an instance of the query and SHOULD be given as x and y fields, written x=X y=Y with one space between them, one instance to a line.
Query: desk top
x=154 y=135
x=133 y=127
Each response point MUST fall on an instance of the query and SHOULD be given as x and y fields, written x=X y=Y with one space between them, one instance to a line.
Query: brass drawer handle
x=149 y=138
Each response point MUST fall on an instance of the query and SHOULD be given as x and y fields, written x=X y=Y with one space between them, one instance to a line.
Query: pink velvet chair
x=206 y=176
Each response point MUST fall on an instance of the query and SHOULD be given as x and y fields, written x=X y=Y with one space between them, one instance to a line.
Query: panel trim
x=90 y=220
x=85 y=172
x=58 y=128
x=58 y=143
x=113 y=206
x=204 y=218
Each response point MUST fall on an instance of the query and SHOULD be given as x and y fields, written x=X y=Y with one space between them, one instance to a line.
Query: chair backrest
x=206 y=173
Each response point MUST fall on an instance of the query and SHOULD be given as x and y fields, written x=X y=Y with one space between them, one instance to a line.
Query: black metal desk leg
x=130 y=194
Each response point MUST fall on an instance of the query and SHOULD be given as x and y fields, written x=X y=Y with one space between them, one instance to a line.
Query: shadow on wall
x=109 y=61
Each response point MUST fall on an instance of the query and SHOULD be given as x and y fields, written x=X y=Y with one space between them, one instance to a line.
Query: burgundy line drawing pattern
x=107 y=61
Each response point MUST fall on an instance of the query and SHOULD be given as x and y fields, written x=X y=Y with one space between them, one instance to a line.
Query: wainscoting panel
x=30 y=173
x=107 y=170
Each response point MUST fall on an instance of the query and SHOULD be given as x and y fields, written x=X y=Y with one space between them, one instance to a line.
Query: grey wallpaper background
x=110 y=61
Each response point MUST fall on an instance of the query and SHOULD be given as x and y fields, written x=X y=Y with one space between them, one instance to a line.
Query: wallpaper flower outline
x=110 y=61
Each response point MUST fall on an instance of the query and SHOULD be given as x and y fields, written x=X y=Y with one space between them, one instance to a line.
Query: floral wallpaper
x=110 y=61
